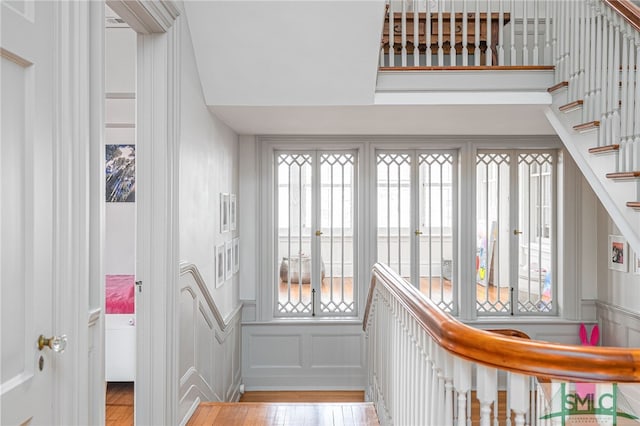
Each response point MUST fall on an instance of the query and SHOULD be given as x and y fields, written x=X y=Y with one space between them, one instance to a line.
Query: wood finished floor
x=119 y=408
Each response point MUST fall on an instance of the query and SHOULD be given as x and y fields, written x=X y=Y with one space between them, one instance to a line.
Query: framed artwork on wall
x=120 y=173
x=636 y=264
x=236 y=255
x=220 y=264
x=232 y=211
x=618 y=253
x=228 y=260
x=224 y=212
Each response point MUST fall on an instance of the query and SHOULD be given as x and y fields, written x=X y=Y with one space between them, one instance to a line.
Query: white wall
x=209 y=160
x=618 y=292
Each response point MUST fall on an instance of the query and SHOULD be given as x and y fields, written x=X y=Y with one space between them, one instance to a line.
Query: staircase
x=596 y=103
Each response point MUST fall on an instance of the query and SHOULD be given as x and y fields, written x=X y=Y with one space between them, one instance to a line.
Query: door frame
x=157 y=239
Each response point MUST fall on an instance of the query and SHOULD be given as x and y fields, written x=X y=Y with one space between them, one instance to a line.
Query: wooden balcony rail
x=504 y=352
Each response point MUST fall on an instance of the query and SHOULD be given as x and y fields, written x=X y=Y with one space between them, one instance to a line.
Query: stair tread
x=603 y=149
x=591 y=125
x=572 y=106
x=623 y=175
x=558 y=86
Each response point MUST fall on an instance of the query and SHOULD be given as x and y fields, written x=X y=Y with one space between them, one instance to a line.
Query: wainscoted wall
x=303 y=356
x=209 y=358
x=620 y=327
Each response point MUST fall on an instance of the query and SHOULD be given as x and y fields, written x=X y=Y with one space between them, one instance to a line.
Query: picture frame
x=120 y=173
x=232 y=212
x=618 y=253
x=228 y=260
x=636 y=264
x=236 y=255
x=220 y=265
x=224 y=212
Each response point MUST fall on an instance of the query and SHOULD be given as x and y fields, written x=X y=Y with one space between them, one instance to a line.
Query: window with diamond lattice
x=515 y=222
x=416 y=233
x=315 y=233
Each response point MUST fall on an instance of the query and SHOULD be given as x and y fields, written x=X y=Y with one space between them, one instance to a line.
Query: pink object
x=583 y=389
x=120 y=295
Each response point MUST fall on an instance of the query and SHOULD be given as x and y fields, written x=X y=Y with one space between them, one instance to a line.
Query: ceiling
x=311 y=67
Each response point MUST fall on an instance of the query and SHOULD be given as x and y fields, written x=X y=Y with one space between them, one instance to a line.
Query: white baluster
x=452 y=35
x=582 y=42
x=631 y=101
x=448 y=388
x=548 y=50
x=501 y=34
x=573 y=52
x=518 y=389
x=487 y=388
x=465 y=35
x=615 y=90
x=525 y=34
x=403 y=32
x=440 y=35
x=636 y=122
x=555 y=56
x=588 y=65
x=428 y=52
x=599 y=32
x=462 y=384
x=489 y=53
x=567 y=40
x=392 y=36
x=624 y=78
x=476 y=53
x=536 y=21
x=604 y=83
x=512 y=51
x=416 y=34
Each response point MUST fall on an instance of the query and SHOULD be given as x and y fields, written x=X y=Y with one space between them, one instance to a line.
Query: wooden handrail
x=629 y=11
x=529 y=357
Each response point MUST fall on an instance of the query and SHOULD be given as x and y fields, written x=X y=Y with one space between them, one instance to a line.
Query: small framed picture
x=228 y=260
x=232 y=211
x=224 y=212
x=618 y=253
x=236 y=255
x=636 y=264
x=220 y=265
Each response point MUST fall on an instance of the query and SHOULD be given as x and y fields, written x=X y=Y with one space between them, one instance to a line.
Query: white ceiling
x=311 y=67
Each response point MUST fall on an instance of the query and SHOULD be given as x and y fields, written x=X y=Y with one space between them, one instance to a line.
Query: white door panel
x=26 y=212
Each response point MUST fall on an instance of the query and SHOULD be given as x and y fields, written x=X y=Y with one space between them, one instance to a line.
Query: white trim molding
x=210 y=352
x=146 y=17
x=158 y=130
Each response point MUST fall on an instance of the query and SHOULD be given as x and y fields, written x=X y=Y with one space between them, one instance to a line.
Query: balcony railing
x=427 y=368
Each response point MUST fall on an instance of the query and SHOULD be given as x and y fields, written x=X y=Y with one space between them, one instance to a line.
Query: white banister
x=489 y=51
x=452 y=34
x=425 y=368
x=416 y=32
x=440 y=33
x=476 y=52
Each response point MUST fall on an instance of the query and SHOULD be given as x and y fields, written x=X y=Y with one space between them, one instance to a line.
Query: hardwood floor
x=303 y=396
x=119 y=409
x=284 y=414
x=295 y=408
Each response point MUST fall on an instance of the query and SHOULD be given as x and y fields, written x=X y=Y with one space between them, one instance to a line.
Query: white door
x=26 y=211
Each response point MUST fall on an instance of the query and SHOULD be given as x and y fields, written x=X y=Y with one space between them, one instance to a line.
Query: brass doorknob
x=418 y=232
x=55 y=343
x=318 y=233
x=516 y=232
